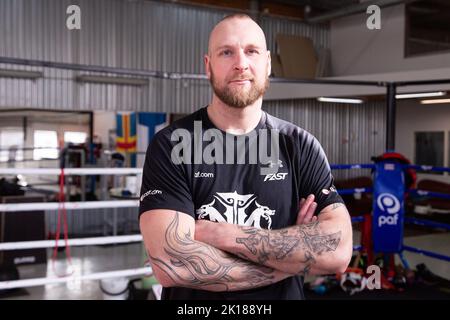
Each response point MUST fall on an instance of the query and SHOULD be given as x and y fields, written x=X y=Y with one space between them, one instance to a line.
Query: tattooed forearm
x=304 y=242
x=261 y=244
x=306 y=264
x=197 y=265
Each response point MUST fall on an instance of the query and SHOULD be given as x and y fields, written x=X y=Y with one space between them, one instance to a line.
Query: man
x=216 y=230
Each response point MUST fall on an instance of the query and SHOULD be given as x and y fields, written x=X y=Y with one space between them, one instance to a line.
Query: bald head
x=231 y=28
x=238 y=62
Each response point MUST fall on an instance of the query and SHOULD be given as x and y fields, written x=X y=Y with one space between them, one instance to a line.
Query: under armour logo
x=272 y=164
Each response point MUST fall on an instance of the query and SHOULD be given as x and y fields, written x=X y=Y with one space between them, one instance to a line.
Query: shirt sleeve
x=315 y=174
x=164 y=184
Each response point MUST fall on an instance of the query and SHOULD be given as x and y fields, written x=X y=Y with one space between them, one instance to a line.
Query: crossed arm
x=323 y=246
x=225 y=257
x=179 y=260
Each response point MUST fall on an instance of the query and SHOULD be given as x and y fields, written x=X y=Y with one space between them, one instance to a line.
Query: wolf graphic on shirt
x=236 y=212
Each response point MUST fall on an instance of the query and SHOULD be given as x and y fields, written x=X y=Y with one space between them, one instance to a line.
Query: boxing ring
x=15 y=208
x=388 y=208
x=392 y=243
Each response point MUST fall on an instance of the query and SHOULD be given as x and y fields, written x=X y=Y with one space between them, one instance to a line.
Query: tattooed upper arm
x=333 y=211
x=333 y=207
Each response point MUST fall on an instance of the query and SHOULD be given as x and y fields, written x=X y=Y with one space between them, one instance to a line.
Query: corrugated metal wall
x=349 y=133
x=117 y=33
x=273 y=26
x=142 y=35
x=149 y=35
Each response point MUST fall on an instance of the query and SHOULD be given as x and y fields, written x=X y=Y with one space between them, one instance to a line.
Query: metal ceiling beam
x=161 y=74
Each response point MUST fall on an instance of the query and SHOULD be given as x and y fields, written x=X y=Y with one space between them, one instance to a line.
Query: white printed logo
x=388 y=203
x=199 y=174
x=28 y=259
x=150 y=193
x=275 y=176
x=327 y=192
x=235 y=210
x=272 y=164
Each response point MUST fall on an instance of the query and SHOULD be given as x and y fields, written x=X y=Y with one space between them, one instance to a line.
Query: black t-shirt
x=238 y=193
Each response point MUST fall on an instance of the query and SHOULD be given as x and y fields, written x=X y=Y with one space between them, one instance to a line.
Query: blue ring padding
x=372 y=166
x=352 y=166
x=427 y=253
x=356 y=190
x=424 y=193
x=426 y=168
x=404 y=261
x=427 y=223
x=357 y=219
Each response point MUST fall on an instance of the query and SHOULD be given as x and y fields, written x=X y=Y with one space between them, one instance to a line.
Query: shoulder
x=291 y=132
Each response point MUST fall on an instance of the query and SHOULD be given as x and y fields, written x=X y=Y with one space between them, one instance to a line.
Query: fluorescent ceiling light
x=435 y=101
x=20 y=74
x=420 y=95
x=339 y=100
x=113 y=80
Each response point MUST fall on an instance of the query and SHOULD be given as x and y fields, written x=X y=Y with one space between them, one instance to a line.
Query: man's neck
x=234 y=120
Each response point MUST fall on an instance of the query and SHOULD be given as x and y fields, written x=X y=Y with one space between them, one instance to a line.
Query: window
x=429 y=148
x=47 y=143
x=75 y=137
x=11 y=139
x=427 y=27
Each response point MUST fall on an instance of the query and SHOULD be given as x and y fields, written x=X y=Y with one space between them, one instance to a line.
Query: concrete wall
x=357 y=50
x=413 y=117
x=103 y=122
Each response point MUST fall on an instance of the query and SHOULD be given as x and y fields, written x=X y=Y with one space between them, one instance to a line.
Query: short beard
x=239 y=99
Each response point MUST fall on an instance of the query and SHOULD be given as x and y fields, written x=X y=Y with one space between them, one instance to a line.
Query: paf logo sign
x=388 y=203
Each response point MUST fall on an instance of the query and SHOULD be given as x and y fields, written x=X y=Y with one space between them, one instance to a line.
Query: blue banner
x=148 y=123
x=388 y=207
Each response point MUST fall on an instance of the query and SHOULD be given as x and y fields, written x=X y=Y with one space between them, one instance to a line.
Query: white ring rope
x=93 y=276
x=12 y=207
x=71 y=171
x=71 y=242
x=76 y=205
